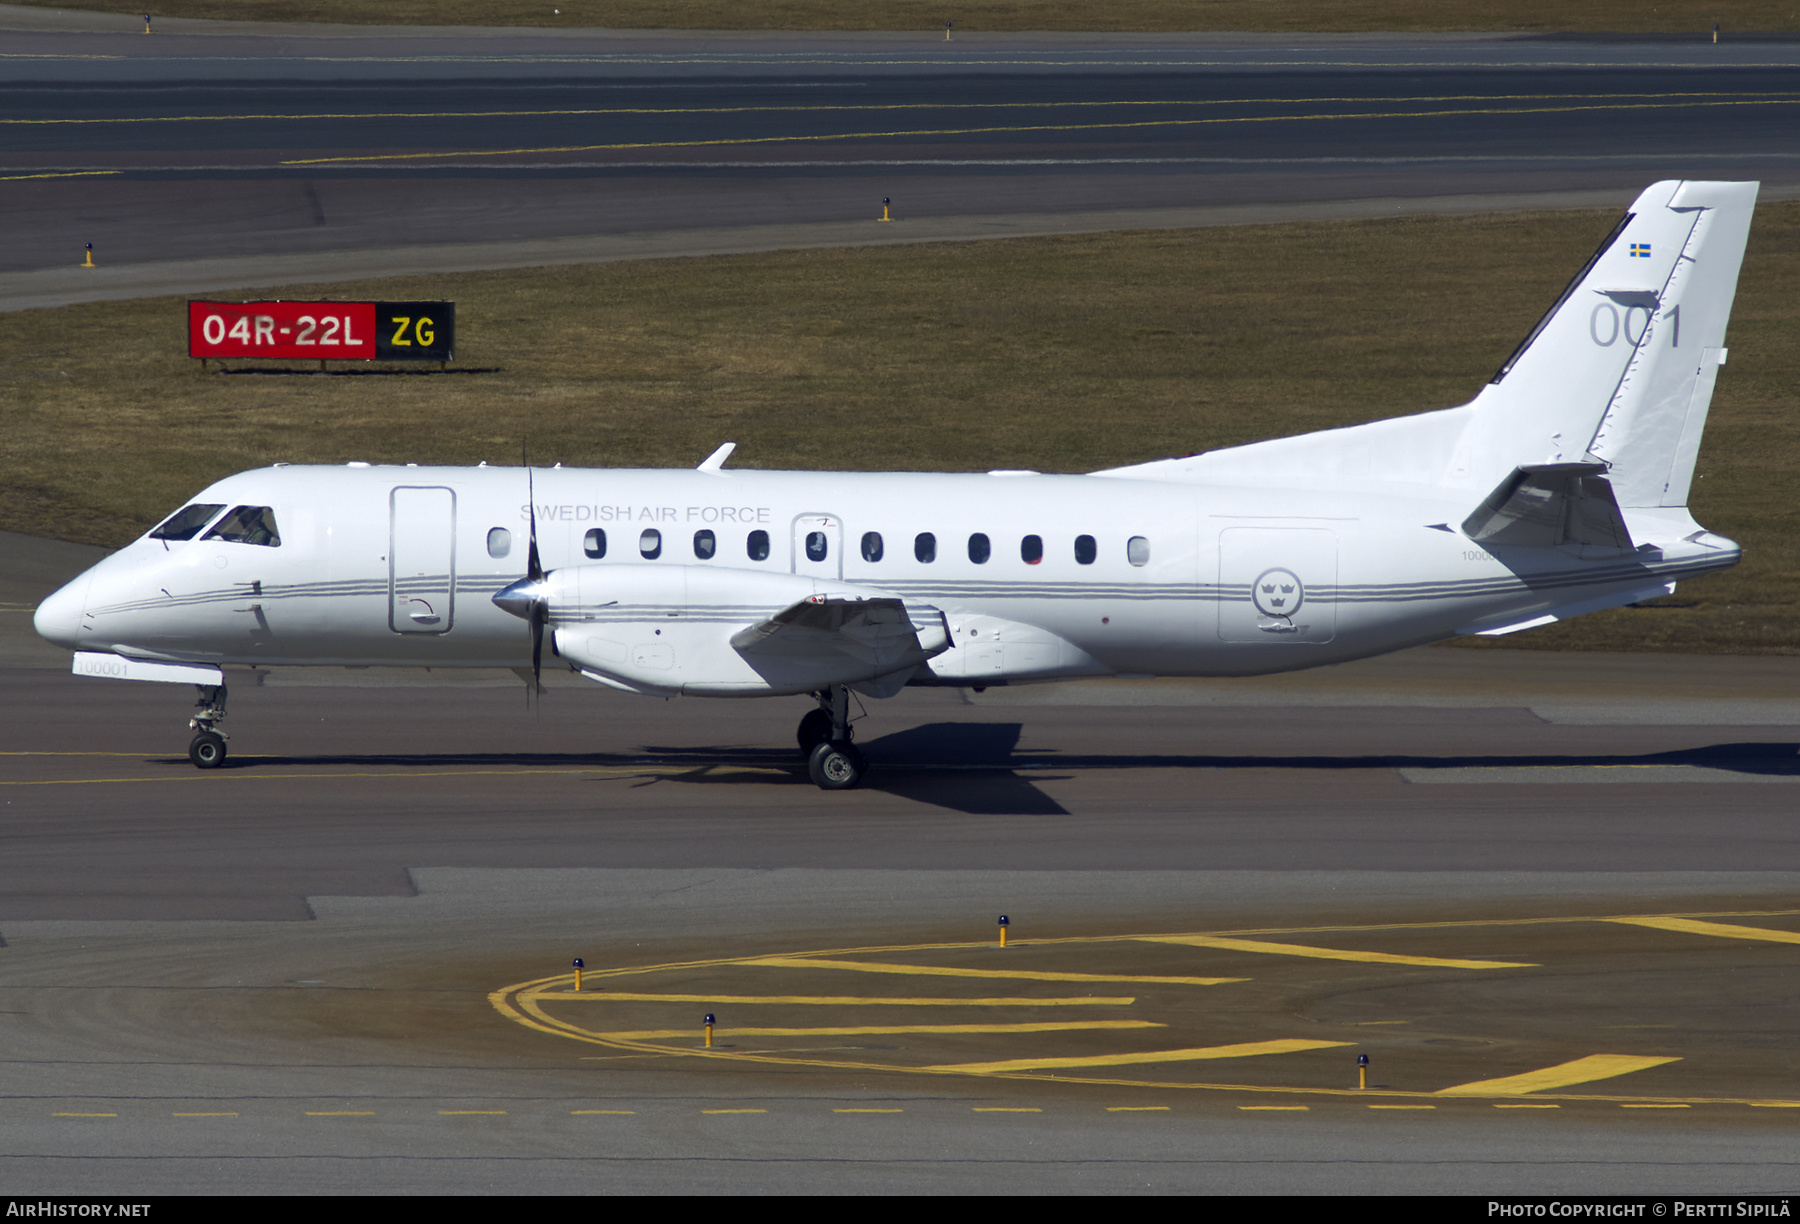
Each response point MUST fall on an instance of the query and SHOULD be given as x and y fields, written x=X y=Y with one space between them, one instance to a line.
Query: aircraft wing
x=873 y=636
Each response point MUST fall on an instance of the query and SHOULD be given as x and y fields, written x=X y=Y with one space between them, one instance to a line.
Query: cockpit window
x=185 y=523
x=248 y=525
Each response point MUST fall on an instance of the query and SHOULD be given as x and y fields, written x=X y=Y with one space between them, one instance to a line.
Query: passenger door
x=421 y=560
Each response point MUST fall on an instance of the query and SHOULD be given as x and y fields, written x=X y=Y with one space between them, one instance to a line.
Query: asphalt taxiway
x=221 y=155
x=1552 y=898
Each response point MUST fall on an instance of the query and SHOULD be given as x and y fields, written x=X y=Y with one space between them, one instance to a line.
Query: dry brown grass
x=1054 y=353
x=1274 y=16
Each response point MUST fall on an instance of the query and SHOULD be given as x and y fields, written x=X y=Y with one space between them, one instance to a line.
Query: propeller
x=527 y=598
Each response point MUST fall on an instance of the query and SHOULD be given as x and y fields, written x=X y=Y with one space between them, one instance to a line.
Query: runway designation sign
x=325 y=331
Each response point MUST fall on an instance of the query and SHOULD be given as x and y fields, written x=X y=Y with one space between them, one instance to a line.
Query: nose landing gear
x=832 y=761
x=207 y=750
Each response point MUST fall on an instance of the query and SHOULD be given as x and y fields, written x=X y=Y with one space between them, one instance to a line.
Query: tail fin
x=1621 y=369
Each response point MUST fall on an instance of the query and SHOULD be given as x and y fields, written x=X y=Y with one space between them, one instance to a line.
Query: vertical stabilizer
x=1620 y=371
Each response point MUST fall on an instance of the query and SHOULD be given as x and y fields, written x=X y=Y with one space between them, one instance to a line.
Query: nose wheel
x=207 y=749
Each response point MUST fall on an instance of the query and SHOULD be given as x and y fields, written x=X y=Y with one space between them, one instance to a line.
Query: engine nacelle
x=720 y=632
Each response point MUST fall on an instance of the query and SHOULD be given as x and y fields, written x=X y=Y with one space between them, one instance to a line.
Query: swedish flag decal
x=1640 y=250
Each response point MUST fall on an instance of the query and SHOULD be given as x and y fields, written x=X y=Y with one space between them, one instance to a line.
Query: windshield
x=185 y=523
x=248 y=525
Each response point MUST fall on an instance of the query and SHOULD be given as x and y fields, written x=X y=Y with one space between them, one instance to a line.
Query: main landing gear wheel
x=208 y=750
x=815 y=729
x=836 y=766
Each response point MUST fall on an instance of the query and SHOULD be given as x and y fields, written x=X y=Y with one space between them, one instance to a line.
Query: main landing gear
x=832 y=761
x=207 y=751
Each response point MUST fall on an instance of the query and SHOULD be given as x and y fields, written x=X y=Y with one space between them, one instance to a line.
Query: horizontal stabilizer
x=1551 y=504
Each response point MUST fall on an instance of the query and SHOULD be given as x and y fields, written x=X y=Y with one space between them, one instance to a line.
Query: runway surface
x=1551 y=897
x=191 y=149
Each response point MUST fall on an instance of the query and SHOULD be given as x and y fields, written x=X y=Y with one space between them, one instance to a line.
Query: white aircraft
x=1562 y=488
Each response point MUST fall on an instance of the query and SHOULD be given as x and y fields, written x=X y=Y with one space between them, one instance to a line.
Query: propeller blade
x=538 y=614
x=534 y=568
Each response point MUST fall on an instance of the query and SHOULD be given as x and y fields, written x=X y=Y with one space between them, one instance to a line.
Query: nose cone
x=58 y=618
x=520 y=596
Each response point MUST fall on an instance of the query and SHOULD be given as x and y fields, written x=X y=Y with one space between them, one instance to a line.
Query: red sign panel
x=341 y=330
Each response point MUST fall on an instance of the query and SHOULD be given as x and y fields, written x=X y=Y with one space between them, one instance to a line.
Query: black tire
x=836 y=766
x=815 y=729
x=207 y=751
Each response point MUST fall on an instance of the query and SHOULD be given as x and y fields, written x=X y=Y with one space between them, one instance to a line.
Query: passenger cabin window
x=816 y=546
x=499 y=542
x=705 y=545
x=871 y=546
x=1031 y=549
x=925 y=547
x=757 y=546
x=186 y=522
x=594 y=543
x=980 y=549
x=247 y=525
x=1137 y=550
x=1085 y=550
x=650 y=544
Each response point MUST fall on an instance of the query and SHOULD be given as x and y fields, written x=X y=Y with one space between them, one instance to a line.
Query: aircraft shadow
x=979 y=768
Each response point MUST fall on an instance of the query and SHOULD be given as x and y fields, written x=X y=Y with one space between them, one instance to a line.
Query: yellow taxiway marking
x=84 y=1115
x=886 y=1030
x=1020 y=129
x=1137 y=1109
x=1527 y=1105
x=87 y=121
x=1724 y=930
x=467 y=1113
x=1657 y=1105
x=610 y=1113
x=203 y=1115
x=823 y=1000
x=1027 y=975
x=1377 y=958
x=1004 y=1109
x=1775 y=1104
x=868 y=1111
x=1580 y=1071
x=1403 y=1107
x=340 y=1113
x=1245 y=1049
x=732 y=1111
x=1275 y=1108
x=13 y=178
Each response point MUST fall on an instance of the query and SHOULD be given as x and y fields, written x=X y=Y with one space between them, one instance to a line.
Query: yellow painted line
x=868 y=1111
x=83 y=1115
x=881 y=106
x=14 y=178
x=1274 y=1108
x=804 y=962
x=340 y=1113
x=1246 y=1049
x=885 y=1030
x=611 y=1113
x=1580 y=1071
x=398 y=773
x=1018 y=129
x=732 y=1111
x=1137 y=1109
x=1376 y=958
x=204 y=1115
x=465 y=1113
x=1403 y=1107
x=822 y=1000
x=1657 y=1105
x=1530 y=1105
x=1775 y=1104
x=1724 y=930
x=1004 y=1109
